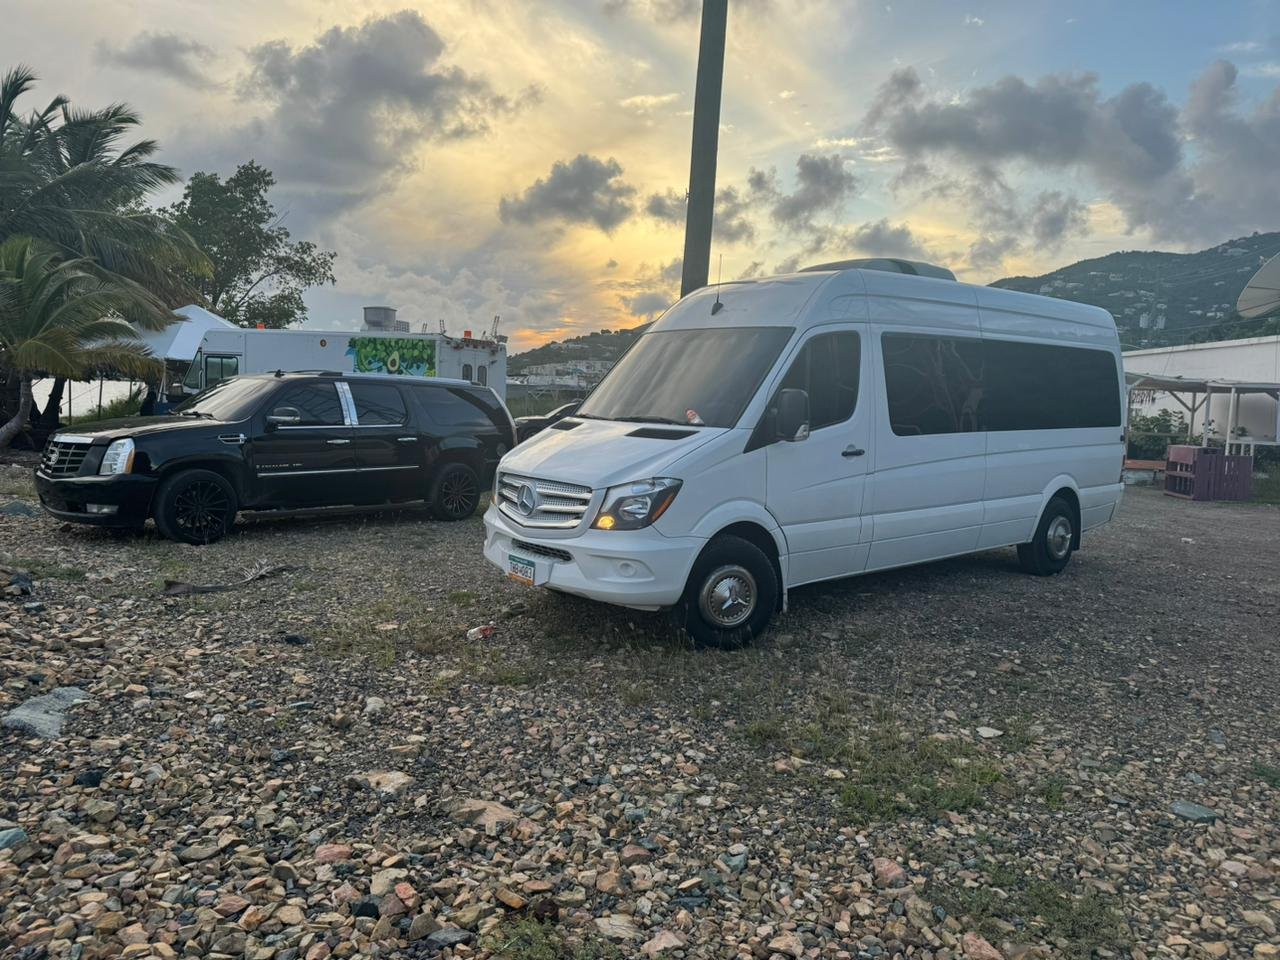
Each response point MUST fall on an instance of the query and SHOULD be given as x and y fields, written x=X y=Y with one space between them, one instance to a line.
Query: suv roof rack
x=915 y=268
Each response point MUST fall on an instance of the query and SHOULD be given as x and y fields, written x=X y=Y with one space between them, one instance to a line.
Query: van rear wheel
x=1051 y=547
x=730 y=596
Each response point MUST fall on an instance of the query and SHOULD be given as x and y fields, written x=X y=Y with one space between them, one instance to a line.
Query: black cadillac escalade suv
x=281 y=441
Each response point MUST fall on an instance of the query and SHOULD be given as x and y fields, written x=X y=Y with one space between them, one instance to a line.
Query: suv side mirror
x=284 y=417
x=793 y=414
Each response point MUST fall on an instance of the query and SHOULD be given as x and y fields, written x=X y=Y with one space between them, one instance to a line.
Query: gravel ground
x=952 y=760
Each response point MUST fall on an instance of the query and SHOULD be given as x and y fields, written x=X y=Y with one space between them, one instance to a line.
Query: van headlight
x=635 y=505
x=117 y=459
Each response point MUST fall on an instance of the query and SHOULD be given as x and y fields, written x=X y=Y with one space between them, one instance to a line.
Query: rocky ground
x=331 y=760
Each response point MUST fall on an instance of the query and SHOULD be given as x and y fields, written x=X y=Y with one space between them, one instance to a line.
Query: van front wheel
x=1050 y=549
x=731 y=594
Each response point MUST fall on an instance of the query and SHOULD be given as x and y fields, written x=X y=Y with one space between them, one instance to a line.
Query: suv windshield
x=699 y=377
x=228 y=400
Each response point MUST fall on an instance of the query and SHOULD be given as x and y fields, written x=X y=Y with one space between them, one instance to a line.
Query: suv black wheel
x=455 y=492
x=731 y=594
x=195 y=506
x=1050 y=549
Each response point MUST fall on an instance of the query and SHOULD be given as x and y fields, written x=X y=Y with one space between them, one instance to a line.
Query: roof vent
x=916 y=268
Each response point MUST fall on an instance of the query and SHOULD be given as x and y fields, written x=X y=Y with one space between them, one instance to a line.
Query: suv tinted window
x=933 y=384
x=317 y=403
x=453 y=408
x=827 y=368
x=377 y=403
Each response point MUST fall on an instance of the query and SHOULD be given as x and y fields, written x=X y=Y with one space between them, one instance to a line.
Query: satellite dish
x=1262 y=294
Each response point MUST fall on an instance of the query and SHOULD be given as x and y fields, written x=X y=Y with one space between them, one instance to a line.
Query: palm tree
x=67 y=179
x=65 y=318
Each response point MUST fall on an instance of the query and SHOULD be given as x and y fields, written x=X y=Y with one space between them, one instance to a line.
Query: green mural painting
x=412 y=357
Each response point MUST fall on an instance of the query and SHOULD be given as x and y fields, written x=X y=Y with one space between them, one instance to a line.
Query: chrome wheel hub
x=728 y=597
x=1058 y=538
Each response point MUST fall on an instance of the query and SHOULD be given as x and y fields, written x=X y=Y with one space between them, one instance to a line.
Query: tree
x=67 y=180
x=63 y=317
x=259 y=274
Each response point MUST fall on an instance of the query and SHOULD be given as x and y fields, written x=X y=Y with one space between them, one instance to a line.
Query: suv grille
x=542 y=503
x=63 y=458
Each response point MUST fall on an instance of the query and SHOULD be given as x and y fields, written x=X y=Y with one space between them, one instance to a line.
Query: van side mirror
x=793 y=414
x=284 y=417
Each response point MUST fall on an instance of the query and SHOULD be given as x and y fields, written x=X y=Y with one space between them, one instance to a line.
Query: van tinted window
x=453 y=408
x=958 y=385
x=933 y=384
x=1037 y=386
x=827 y=368
x=316 y=402
x=377 y=403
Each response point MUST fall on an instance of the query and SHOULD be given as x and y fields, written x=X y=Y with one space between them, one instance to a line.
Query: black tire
x=196 y=506
x=455 y=492
x=731 y=570
x=1051 y=548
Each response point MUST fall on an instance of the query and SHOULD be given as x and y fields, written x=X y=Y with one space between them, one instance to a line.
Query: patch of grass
x=1053 y=792
x=637 y=694
x=399 y=621
x=898 y=773
x=764 y=730
x=461 y=598
x=1267 y=774
x=1080 y=924
x=127 y=406
x=17 y=485
x=44 y=570
x=530 y=940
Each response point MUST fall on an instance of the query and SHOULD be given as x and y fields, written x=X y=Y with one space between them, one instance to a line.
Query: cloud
x=971 y=21
x=733 y=213
x=585 y=189
x=345 y=114
x=168 y=54
x=664 y=11
x=884 y=239
x=1054 y=217
x=646 y=104
x=1130 y=144
x=823 y=184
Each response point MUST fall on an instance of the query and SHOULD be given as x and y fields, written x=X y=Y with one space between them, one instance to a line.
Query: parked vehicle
x=278 y=442
x=777 y=432
x=526 y=427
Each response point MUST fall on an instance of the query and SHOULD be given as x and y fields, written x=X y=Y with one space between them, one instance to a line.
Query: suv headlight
x=117 y=459
x=635 y=505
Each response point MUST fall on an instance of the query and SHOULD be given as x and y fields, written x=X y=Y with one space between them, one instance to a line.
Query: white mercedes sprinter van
x=848 y=418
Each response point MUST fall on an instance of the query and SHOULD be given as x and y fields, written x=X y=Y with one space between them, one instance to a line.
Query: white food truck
x=203 y=348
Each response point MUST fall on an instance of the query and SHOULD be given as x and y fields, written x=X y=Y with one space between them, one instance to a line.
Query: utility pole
x=706 y=139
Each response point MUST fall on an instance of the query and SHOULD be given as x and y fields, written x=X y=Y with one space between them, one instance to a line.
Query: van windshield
x=228 y=400
x=698 y=377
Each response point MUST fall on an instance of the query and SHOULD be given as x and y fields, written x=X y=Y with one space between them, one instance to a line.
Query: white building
x=1255 y=360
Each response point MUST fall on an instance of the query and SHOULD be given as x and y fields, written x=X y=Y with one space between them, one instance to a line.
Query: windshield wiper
x=677 y=423
x=195 y=413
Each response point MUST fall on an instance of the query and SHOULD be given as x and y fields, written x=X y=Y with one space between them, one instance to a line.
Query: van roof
x=789 y=299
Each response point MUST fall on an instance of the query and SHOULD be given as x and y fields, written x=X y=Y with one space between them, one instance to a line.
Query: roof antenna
x=718 y=306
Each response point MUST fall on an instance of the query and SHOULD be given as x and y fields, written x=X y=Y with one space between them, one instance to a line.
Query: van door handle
x=405 y=439
x=337 y=442
x=852 y=451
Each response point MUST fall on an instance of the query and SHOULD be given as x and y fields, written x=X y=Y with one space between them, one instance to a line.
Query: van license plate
x=520 y=570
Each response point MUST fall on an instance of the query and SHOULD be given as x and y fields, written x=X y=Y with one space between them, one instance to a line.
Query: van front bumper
x=641 y=569
x=70 y=498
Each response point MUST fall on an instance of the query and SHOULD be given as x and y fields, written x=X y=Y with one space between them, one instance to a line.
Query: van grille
x=540 y=550
x=546 y=503
x=63 y=458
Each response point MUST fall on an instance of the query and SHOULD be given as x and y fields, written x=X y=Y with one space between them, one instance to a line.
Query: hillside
x=601 y=345
x=1162 y=298
x=1157 y=298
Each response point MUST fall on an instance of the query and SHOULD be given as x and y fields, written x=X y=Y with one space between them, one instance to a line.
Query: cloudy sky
x=529 y=158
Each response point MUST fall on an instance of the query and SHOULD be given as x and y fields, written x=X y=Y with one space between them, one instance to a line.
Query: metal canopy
x=1201 y=390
